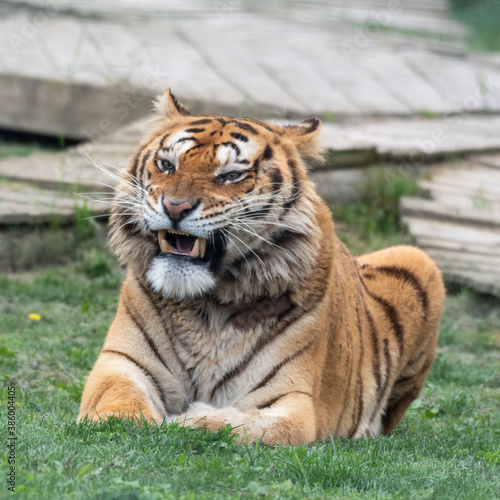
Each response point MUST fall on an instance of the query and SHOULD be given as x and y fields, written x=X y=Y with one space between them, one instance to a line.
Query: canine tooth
x=196 y=248
x=203 y=246
x=165 y=247
x=164 y=244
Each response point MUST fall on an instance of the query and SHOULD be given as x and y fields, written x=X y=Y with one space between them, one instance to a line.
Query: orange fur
x=278 y=329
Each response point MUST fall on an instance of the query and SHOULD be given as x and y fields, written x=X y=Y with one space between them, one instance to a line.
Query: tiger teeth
x=177 y=232
x=203 y=246
x=164 y=244
x=199 y=248
x=195 y=251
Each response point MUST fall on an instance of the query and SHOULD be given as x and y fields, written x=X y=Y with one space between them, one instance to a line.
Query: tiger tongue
x=184 y=244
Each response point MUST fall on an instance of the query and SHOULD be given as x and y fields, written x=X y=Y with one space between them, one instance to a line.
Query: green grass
x=483 y=18
x=447 y=446
x=14 y=148
x=372 y=222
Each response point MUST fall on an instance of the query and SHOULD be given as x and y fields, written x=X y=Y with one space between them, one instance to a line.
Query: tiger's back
x=241 y=306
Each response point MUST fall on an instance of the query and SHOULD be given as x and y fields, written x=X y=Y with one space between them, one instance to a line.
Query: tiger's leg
x=288 y=421
x=407 y=279
x=118 y=386
x=407 y=387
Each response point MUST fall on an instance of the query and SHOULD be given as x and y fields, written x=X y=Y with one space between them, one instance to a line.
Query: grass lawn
x=447 y=446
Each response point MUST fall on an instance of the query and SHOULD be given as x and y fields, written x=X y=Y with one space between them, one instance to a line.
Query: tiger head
x=213 y=204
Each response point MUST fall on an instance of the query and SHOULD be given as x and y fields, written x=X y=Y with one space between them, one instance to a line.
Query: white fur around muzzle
x=179 y=279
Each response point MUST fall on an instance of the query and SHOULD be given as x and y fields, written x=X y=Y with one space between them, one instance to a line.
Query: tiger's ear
x=167 y=106
x=305 y=136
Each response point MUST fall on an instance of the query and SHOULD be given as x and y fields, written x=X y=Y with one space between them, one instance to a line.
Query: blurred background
x=409 y=94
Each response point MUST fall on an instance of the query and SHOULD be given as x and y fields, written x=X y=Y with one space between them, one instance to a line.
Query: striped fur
x=279 y=328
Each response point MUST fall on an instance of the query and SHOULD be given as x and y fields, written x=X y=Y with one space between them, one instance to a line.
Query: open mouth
x=179 y=243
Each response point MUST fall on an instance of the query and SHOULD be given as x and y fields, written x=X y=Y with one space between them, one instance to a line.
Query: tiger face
x=205 y=195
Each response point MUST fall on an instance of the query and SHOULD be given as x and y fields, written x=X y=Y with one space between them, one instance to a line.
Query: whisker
x=260 y=237
x=224 y=232
x=251 y=250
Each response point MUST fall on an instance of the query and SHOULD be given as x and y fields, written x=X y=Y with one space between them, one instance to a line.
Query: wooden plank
x=459 y=188
x=401 y=81
x=23 y=203
x=492 y=161
x=474 y=177
x=54 y=171
x=444 y=244
x=454 y=232
x=465 y=260
x=481 y=281
x=430 y=209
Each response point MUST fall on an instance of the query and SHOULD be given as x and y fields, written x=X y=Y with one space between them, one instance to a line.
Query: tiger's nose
x=177 y=209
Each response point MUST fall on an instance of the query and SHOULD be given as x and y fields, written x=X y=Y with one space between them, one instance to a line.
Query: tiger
x=241 y=308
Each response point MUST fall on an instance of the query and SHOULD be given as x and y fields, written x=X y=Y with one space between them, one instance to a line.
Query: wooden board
x=459 y=213
x=21 y=203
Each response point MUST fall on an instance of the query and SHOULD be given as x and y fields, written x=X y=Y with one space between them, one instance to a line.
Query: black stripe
x=359 y=399
x=256 y=166
x=145 y=158
x=233 y=146
x=285 y=236
x=277 y=180
x=243 y=162
x=282 y=363
x=239 y=136
x=146 y=372
x=359 y=386
x=391 y=312
x=196 y=146
x=269 y=403
x=295 y=184
x=194 y=130
x=375 y=347
x=221 y=120
x=260 y=123
x=135 y=161
x=417 y=358
x=159 y=312
x=351 y=367
x=404 y=380
x=262 y=341
x=388 y=365
x=247 y=127
x=203 y=121
x=408 y=277
x=268 y=153
x=145 y=334
x=162 y=140
x=183 y=139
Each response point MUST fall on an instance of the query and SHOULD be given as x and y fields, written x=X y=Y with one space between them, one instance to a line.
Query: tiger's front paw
x=205 y=416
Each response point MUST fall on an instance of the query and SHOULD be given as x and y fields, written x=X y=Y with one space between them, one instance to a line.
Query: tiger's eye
x=232 y=176
x=165 y=166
